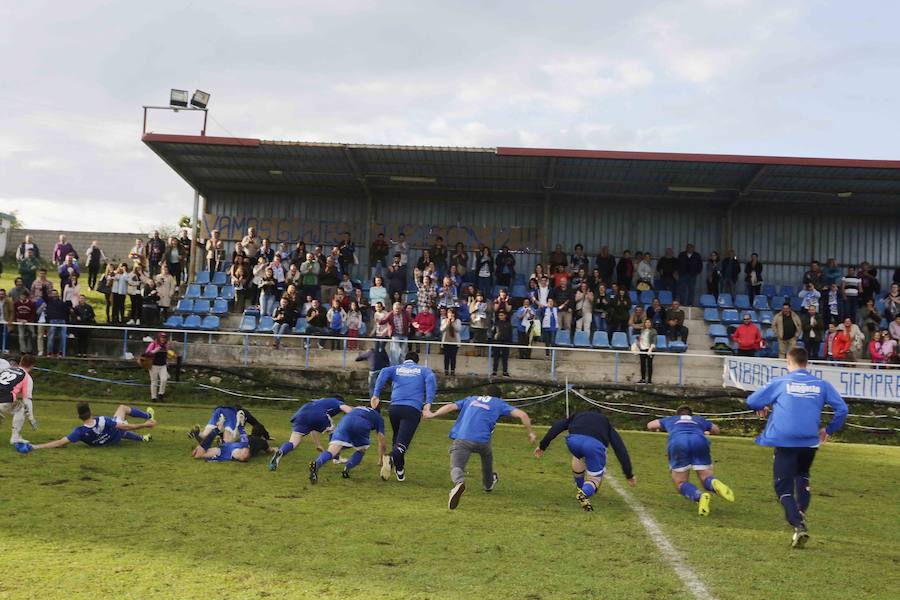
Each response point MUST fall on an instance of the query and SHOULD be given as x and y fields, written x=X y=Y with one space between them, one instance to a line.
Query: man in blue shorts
x=313 y=418
x=240 y=450
x=104 y=431
x=351 y=432
x=412 y=389
x=689 y=450
x=590 y=434
x=225 y=421
x=795 y=402
x=472 y=433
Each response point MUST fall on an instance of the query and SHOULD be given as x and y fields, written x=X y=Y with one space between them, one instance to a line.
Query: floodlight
x=200 y=99
x=178 y=98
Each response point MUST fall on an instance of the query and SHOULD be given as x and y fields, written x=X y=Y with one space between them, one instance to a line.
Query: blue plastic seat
x=725 y=301
x=210 y=292
x=742 y=302
x=600 y=340
x=464 y=334
x=519 y=279
x=210 y=323
x=768 y=290
x=462 y=312
x=519 y=291
x=665 y=297
x=706 y=301
x=730 y=317
x=766 y=316
x=174 y=322
x=796 y=304
x=201 y=307
x=300 y=326
x=620 y=341
x=266 y=324
x=787 y=291
x=773 y=349
x=226 y=292
x=219 y=307
x=661 y=344
x=760 y=302
x=219 y=278
x=719 y=342
x=563 y=338
x=582 y=339
x=192 y=322
x=711 y=315
x=185 y=306
x=717 y=330
x=769 y=334
x=251 y=312
x=248 y=324
x=753 y=316
x=633 y=296
x=677 y=346
x=362 y=330
x=647 y=296
x=202 y=278
x=193 y=291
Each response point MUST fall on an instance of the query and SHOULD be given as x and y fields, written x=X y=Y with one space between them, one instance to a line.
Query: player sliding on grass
x=795 y=402
x=16 y=388
x=412 y=389
x=472 y=433
x=225 y=421
x=351 y=432
x=590 y=434
x=689 y=450
x=241 y=450
x=313 y=418
x=103 y=431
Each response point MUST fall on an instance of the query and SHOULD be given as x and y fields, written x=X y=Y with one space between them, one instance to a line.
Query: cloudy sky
x=785 y=77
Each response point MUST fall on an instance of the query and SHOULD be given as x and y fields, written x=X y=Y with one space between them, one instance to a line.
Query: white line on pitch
x=669 y=552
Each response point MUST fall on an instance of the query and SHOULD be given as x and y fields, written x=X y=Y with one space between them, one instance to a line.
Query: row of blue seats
x=202 y=307
x=619 y=341
x=718 y=330
x=733 y=316
x=207 y=323
x=742 y=301
x=723 y=345
x=205 y=278
x=210 y=292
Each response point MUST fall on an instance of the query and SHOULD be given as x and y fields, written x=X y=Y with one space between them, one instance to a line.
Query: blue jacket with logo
x=412 y=384
x=797 y=400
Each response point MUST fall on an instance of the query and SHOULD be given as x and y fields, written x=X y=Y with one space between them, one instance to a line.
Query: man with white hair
x=16 y=388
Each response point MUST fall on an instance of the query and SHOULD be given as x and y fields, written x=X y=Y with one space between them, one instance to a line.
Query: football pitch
x=146 y=521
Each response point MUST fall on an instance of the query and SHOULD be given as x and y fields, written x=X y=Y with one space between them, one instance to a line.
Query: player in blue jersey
x=793 y=404
x=105 y=431
x=590 y=434
x=242 y=449
x=351 y=432
x=472 y=433
x=312 y=419
x=412 y=390
x=225 y=421
x=689 y=451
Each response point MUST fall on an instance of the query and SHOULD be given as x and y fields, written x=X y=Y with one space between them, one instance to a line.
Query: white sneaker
x=130 y=322
x=13 y=442
x=147 y=339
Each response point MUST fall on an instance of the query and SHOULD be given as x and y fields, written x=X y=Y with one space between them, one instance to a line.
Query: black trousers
x=93 y=271
x=791 y=475
x=450 y=351
x=137 y=306
x=646 y=366
x=82 y=339
x=118 y=309
x=501 y=354
x=750 y=352
x=404 y=422
x=175 y=271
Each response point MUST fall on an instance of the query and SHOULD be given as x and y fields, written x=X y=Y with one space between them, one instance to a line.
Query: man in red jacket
x=748 y=337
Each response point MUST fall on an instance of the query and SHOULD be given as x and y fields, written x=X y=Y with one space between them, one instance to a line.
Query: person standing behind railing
x=25 y=315
x=450 y=338
x=159 y=353
x=119 y=290
x=82 y=314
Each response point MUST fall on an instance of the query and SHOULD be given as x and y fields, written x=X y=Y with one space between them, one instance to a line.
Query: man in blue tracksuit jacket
x=796 y=401
x=412 y=389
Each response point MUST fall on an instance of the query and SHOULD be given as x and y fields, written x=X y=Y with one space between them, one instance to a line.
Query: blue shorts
x=690 y=453
x=303 y=424
x=230 y=418
x=349 y=437
x=589 y=449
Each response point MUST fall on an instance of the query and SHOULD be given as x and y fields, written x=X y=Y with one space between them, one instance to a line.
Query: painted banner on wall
x=234 y=227
x=850 y=382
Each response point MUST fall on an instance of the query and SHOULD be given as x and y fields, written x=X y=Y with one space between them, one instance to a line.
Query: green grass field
x=146 y=521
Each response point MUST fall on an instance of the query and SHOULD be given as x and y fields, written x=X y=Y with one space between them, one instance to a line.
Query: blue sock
x=323 y=458
x=802 y=494
x=689 y=491
x=579 y=478
x=130 y=435
x=708 y=484
x=286 y=447
x=589 y=489
x=136 y=412
x=354 y=460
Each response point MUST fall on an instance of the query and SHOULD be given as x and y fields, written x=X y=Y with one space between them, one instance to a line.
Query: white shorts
x=348 y=445
x=692 y=468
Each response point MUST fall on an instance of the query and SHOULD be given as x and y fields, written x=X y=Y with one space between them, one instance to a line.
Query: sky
x=787 y=78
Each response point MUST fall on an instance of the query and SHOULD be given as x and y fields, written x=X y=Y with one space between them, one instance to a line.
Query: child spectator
x=336 y=317
x=450 y=338
x=501 y=334
x=267 y=293
x=354 y=322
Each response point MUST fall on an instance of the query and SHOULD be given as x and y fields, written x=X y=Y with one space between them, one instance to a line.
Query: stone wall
x=116 y=246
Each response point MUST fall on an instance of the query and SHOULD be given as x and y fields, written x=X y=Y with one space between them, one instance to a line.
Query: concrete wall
x=115 y=245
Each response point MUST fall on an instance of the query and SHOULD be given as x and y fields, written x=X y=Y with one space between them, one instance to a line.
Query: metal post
x=195 y=232
x=427 y=352
x=679 y=371
x=246 y=350
x=489 y=357
x=344 y=355
x=124 y=343
x=616 y=370
x=308 y=342
x=553 y=364
x=65 y=338
x=567 y=396
x=185 y=353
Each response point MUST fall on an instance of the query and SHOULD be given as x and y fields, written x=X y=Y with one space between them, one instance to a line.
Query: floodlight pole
x=176 y=109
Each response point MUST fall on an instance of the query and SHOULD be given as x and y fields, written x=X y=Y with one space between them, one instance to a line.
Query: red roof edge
x=199 y=139
x=708 y=158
